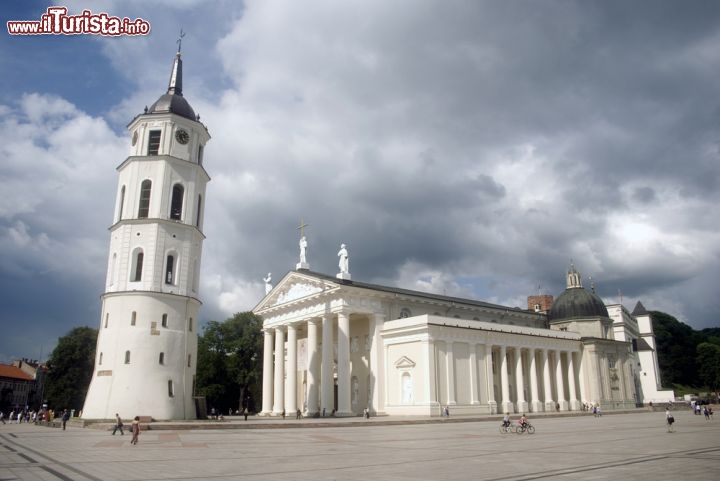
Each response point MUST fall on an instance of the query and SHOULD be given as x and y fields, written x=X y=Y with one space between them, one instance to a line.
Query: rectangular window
x=164 y=320
x=189 y=359
x=133 y=318
x=171 y=389
x=154 y=142
x=161 y=359
x=200 y=154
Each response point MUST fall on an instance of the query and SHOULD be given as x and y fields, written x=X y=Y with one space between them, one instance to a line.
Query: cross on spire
x=301 y=227
x=179 y=40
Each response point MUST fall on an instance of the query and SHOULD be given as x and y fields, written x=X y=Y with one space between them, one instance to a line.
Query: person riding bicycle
x=506 y=420
x=523 y=422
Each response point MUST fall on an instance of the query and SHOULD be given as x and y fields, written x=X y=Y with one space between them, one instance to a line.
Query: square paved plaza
x=620 y=446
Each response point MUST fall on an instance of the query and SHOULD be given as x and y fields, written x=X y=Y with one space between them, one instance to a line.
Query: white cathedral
x=334 y=346
x=147 y=343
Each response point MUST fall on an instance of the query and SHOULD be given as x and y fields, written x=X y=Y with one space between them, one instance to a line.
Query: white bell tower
x=146 y=355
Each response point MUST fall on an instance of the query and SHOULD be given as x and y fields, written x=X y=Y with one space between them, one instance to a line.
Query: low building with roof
x=16 y=387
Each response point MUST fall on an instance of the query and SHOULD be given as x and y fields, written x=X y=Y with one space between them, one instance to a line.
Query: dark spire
x=173 y=100
x=175 y=84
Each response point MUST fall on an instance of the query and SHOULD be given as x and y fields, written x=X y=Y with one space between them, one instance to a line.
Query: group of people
x=522 y=421
x=702 y=409
x=134 y=428
x=28 y=416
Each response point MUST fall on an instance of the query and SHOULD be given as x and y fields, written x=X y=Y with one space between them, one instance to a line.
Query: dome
x=173 y=103
x=576 y=302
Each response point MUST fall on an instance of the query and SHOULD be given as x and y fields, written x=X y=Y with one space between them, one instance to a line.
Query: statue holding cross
x=303 y=264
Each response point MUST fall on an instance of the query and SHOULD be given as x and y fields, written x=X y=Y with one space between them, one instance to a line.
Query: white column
x=291 y=388
x=560 y=384
x=582 y=365
x=507 y=405
x=313 y=369
x=343 y=369
x=450 y=366
x=279 y=391
x=535 y=404
x=522 y=405
x=490 y=379
x=549 y=403
x=327 y=383
x=267 y=395
x=377 y=365
x=474 y=399
x=574 y=403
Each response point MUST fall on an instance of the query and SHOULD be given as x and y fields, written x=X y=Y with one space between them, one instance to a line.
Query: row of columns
x=547 y=369
x=549 y=402
x=280 y=390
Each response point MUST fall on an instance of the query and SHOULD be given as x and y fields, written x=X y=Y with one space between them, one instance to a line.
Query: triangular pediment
x=294 y=286
x=404 y=363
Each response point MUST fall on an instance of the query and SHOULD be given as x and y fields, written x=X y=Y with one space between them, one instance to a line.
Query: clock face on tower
x=182 y=136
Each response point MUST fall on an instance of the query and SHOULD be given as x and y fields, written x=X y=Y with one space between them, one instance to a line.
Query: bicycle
x=510 y=428
x=526 y=427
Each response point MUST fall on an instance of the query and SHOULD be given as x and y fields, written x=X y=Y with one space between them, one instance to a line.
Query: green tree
x=70 y=369
x=708 y=361
x=676 y=346
x=229 y=372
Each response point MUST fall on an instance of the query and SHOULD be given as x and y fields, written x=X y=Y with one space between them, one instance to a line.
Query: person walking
x=135 y=428
x=670 y=420
x=65 y=418
x=118 y=425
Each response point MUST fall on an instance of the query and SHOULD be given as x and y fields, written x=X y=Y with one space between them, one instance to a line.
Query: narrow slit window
x=169 y=269
x=127 y=357
x=189 y=359
x=161 y=358
x=133 y=318
x=190 y=324
x=107 y=319
x=164 y=320
x=171 y=388
x=122 y=203
x=137 y=274
x=100 y=359
x=199 y=210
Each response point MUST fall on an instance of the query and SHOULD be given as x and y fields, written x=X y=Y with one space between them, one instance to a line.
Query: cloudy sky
x=471 y=148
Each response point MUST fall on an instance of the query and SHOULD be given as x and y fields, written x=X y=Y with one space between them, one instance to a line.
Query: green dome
x=576 y=302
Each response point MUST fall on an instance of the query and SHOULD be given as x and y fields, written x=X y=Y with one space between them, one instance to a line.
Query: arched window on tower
x=113 y=267
x=170 y=269
x=127 y=357
x=133 y=318
x=121 y=203
x=176 y=203
x=144 y=207
x=199 y=210
x=161 y=358
x=171 y=388
x=137 y=266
